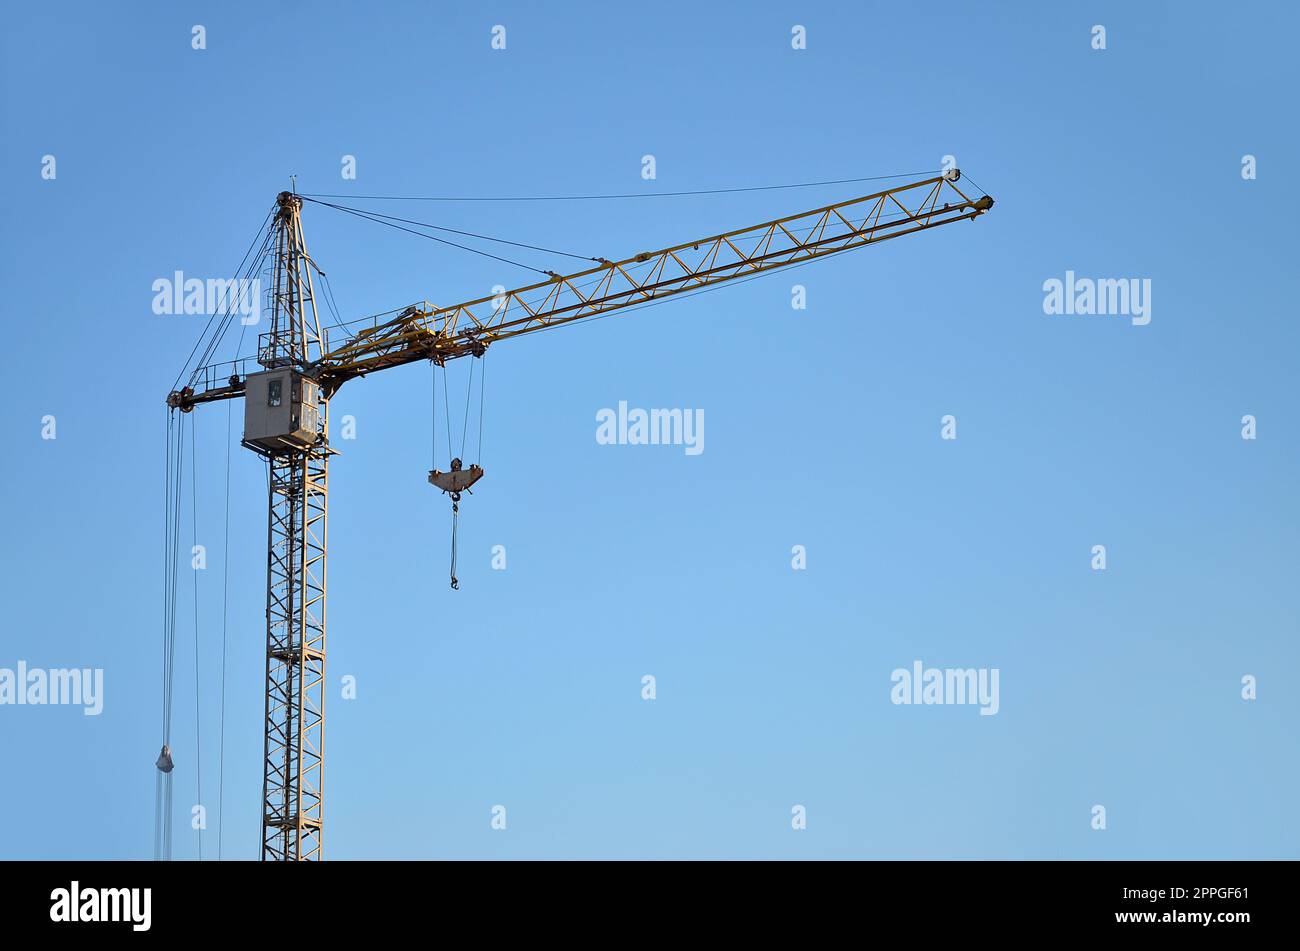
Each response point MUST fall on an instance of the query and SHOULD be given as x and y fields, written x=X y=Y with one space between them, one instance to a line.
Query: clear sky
x=1119 y=687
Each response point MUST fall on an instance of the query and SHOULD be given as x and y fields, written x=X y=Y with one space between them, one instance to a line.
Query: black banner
x=1219 y=901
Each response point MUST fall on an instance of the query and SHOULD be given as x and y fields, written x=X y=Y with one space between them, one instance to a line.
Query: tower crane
x=286 y=419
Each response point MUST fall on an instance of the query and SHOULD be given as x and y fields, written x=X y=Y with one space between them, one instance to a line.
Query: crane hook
x=453 y=483
x=455 y=520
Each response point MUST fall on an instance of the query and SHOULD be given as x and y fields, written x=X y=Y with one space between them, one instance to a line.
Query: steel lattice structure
x=297 y=509
x=293 y=788
x=301 y=372
x=422 y=331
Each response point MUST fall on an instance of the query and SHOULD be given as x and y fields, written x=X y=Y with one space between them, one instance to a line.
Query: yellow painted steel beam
x=426 y=332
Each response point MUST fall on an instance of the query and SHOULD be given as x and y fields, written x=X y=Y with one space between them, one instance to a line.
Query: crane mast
x=286 y=419
x=297 y=505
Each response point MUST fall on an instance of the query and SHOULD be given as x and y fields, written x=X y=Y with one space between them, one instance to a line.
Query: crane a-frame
x=286 y=419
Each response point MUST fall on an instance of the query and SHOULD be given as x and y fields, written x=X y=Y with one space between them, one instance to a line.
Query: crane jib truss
x=425 y=332
x=297 y=506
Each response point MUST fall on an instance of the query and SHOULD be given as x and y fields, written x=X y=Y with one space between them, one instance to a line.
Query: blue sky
x=1119 y=687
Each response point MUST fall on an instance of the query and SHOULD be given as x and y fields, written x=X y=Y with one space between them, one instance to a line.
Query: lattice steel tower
x=287 y=422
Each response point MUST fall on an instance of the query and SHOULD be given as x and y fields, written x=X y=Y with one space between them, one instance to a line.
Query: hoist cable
x=250 y=274
x=167 y=522
x=179 y=470
x=230 y=300
x=467 y=234
x=421 y=234
x=167 y=505
x=464 y=426
x=702 y=191
x=446 y=408
x=329 y=299
x=174 y=474
x=168 y=786
x=198 y=709
x=262 y=232
x=225 y=603
x=175 y=557
x=455 y=521
x=157 y=813
x=973 y=182
x=482 y=385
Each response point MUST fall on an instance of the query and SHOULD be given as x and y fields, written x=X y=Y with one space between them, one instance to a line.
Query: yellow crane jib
x=425 y=332
x=444 y=333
